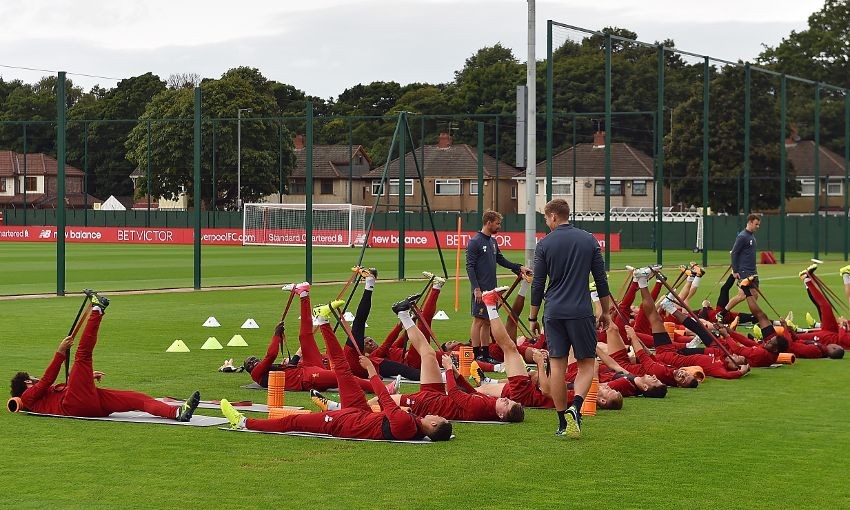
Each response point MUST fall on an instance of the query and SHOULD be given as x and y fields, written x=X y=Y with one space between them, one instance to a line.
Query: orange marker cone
x=588 y=407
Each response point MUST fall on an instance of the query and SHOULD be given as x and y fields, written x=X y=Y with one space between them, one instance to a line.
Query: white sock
x=333 y=405
x=304 y=294
x=642 y=283
x=406 y=319
x=691 y=278
x=438 y=283
x=443 y=376
x=696 y=281
x=97 y=309
x=668 y=305
x=498 y=367
x=523 y=287
x=370 y=283
x=846 y=279
x=492 y=312
x=319 y=320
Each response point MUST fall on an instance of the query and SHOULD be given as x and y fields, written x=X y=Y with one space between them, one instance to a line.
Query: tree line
x=144 y=122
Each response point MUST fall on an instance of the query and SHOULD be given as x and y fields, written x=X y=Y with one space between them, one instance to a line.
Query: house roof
x=460 y=160
x=39 y=201
x=331 y=161
x=12 y=164
x=626 y=162
x=802 y=156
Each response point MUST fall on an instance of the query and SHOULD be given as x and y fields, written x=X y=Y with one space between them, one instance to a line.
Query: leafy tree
x=683 y=151
x=98 y=128
x=35 y=103
x=172 y=141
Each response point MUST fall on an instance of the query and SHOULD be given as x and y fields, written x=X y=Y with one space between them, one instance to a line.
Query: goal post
x=339 y=225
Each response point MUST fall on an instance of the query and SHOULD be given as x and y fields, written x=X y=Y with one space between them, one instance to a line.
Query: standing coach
x=567 y=255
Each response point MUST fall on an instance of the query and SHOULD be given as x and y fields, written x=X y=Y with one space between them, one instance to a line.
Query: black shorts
x=478 y=309
x=561 y=334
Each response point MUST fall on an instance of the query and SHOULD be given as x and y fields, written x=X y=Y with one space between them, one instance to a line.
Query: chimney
x=599 y=140
x=299 y=142
x=445 y=141
x=793 y=138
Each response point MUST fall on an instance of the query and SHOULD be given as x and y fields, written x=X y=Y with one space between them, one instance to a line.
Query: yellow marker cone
x=237 y=341
x=178 y=346
x=211 y=343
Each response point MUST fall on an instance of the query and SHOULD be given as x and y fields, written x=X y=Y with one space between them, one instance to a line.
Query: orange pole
x=457 y=265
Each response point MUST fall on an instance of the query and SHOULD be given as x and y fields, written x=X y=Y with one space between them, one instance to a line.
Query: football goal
x=285 y=224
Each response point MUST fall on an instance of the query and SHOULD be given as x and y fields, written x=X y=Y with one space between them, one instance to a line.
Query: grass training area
x=771 y=439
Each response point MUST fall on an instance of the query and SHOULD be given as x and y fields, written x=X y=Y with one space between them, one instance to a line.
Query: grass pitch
x=768 y=440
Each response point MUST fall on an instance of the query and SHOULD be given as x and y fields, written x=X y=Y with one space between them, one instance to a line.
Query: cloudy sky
x=325 y=46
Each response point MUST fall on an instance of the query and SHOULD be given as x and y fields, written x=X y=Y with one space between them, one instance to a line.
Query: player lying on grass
x=80 y=396
x=530 y=389
x=666 y=352
x=833 y=336
x=394 y=346
x=455 y=399
x=307 y=371
x=355 y=419
x=386 y=367
x=645 y=364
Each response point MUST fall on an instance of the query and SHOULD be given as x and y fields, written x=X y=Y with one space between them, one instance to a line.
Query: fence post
x=60 y=184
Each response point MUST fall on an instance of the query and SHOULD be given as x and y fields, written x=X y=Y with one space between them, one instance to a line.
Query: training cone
x=211 y=343
x=178 y=346
x=250 y=324
x=237 y=341
x=348 y=316
x=441 y=316
x=211 y=322
x=588 y=407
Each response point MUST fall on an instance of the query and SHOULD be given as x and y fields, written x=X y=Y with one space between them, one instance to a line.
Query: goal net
x=285 y=224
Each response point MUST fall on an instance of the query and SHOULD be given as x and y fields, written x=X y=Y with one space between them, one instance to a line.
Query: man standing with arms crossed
x=743 y=256
x=482 y=255
x=566 y=256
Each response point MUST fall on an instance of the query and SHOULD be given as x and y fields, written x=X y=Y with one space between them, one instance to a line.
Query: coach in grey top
x=567 y=255
x=744 y=250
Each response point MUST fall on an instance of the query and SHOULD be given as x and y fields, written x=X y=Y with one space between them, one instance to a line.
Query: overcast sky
x=326 y=46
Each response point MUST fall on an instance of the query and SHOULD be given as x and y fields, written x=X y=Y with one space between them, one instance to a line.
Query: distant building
x=632 y=177
x=31 y=180
x=451 y=180
x=801 y=154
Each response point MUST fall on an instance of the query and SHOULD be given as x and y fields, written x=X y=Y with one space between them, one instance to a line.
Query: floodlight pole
x=239 y=156
x=531 y=146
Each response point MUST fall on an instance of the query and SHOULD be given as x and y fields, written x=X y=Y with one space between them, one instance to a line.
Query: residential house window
x=562 y=187
x=408 y=187
x=616 y=188
x=834 y=188
x=639 y=188
x=327 y=186
x=31 y=184
x=807 y=187
x=513 y=192
x=473 y=187
x=297 y=187
x=538 y=184
x=447 y=187
x=2 y=185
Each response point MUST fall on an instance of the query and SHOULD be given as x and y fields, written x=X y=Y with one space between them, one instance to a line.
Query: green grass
x=768 y=440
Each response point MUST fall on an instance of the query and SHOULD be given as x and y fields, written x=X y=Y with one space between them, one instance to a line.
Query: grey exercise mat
x=481 y=422
x=326 y=436
x=143 y=417
x=212 y=404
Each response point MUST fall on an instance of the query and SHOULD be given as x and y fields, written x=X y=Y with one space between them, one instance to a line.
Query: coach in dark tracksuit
x=743 y=256
x=482 y=255
x=566 y=256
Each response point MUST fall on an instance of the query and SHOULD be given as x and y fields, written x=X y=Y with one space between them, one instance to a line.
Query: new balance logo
x=45 y=234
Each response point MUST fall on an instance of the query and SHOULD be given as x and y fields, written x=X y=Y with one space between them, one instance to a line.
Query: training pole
x=72 y=331
x=428 y=330
x=347 y=328
x=357 y=279
x=457 y=264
